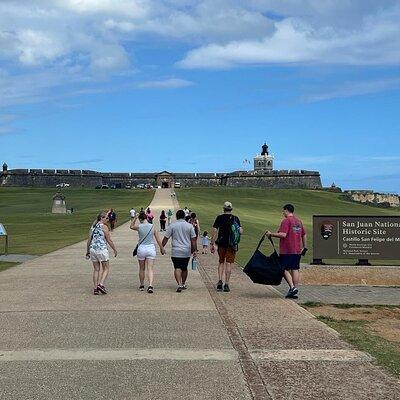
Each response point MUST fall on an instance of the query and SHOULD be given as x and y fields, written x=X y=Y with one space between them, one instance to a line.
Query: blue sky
x=187 y=85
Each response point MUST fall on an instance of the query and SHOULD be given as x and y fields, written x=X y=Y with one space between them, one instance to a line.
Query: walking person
x=163 y=220
x=196 y=224
x=184 y=244
x=112 y=218
x=149 y=215
x=205 y=241
x=132 y=213
x=146 y=252
x=292 y=245
x=169 y=216
x=97 y=252
x=225 y=227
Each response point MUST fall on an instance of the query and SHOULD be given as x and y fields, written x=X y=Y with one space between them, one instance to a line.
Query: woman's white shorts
x=146 y=251
x=99 y=256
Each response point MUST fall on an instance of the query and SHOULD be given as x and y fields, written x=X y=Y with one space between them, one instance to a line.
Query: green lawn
x=261 y=209
x=386 y=353
x=6 y=265
x=33 y=229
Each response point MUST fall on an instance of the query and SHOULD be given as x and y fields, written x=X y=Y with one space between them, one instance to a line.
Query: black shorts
x=290 y=261
x=180 y=263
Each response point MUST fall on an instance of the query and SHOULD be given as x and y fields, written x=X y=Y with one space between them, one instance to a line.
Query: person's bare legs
x=96 y=273
x=142 y=271
x=295 y=273
x=184 y=276
x=288 y=278
x=228 y=270
x=221 y=270
x=178 y=276
x=150 y=272
x=104 y=273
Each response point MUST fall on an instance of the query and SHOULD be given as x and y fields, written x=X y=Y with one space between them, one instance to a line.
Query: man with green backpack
x=226 y=234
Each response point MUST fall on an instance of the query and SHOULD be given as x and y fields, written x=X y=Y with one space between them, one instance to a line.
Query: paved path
x=59 y=341
x=344 y=294
x=17 y=258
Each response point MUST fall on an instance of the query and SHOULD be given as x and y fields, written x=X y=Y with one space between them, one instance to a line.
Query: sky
x=199 y=86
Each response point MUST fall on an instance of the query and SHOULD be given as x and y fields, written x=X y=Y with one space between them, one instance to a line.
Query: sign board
x=356 y=237
x=3 y=231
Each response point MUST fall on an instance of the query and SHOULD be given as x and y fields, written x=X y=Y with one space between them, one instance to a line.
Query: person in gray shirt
x=184 y=244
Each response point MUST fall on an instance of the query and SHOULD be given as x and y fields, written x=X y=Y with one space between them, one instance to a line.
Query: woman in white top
x=146 y=252
x=97 y=251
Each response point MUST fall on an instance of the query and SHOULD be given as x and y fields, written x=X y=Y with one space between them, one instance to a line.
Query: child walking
x=205 y=241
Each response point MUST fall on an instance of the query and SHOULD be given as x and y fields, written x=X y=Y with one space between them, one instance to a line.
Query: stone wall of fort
x=371 y=198
x=88 y=178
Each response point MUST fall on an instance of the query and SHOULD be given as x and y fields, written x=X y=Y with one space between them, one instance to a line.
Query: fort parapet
x=87 y=178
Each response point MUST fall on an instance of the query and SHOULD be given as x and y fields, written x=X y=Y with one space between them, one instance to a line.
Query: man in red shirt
x=293 y=244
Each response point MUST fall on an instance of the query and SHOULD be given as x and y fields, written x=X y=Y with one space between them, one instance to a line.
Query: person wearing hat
x=221 y=236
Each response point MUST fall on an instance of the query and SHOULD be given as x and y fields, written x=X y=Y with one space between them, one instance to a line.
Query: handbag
x=134 y=252
x=262 y=269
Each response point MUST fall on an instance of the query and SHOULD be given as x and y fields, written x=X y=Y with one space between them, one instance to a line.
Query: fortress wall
x=37 y=178
x=277 y=181
x=198 y=182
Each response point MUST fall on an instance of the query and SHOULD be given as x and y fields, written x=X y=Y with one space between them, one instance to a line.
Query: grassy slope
x=259 y=209
x=355 y=332
x=26 y=214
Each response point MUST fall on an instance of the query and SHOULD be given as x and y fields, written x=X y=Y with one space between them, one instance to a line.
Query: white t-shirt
x=132 y=212
x=181 y=233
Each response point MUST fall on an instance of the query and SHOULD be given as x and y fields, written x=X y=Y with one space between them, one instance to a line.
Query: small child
x=206 y=241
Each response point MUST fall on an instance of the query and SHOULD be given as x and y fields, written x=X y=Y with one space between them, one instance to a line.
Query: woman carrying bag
x=146 y=249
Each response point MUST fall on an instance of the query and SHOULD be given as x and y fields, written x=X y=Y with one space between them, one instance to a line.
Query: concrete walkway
x=59 y=341
x=347 y=294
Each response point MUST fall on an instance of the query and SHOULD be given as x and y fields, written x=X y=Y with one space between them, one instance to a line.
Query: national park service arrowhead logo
x=326 y=229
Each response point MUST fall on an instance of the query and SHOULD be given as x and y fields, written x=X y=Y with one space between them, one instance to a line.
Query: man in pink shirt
x=293 y=244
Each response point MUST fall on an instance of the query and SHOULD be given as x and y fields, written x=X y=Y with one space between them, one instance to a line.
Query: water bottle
x=195 y=264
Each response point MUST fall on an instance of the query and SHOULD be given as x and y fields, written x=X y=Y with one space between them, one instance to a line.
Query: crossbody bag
x=134 y=253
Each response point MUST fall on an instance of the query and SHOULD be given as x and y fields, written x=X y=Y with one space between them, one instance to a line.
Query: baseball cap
x=228 y=206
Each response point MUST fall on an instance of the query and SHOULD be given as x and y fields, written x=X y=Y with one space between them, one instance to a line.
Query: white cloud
x=71 y=42
x=172 y=83
x=351 y=89
x=296 y=41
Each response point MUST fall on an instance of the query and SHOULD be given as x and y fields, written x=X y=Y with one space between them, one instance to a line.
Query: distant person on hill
x=187 y=212
x=146 y=252
x=195 y=222
x=97 y=251
x=169 y=215
x=205 y=241
x=183 y=245
x=293 y=244
x=163 y=220
x=112 y=218
x=150 y=215
x=132 y=213
x=226 y=234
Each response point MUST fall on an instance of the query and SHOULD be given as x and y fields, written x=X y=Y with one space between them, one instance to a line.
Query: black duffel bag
x=263 y=269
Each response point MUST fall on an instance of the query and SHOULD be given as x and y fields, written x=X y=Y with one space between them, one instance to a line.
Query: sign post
x=362 y=238
x=3 y=232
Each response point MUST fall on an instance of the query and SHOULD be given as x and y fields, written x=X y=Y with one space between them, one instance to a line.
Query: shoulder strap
x=262 y=239
x=145 y=236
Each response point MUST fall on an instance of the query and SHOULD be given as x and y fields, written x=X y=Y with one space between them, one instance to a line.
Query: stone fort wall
x=87 y=178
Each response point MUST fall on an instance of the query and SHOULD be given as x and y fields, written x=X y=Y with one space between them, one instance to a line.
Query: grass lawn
x=33 y=229
x=5 y=265
x=261 y=209
x=373 y=329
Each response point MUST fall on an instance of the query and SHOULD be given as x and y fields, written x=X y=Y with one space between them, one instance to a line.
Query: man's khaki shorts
x=226 y=254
